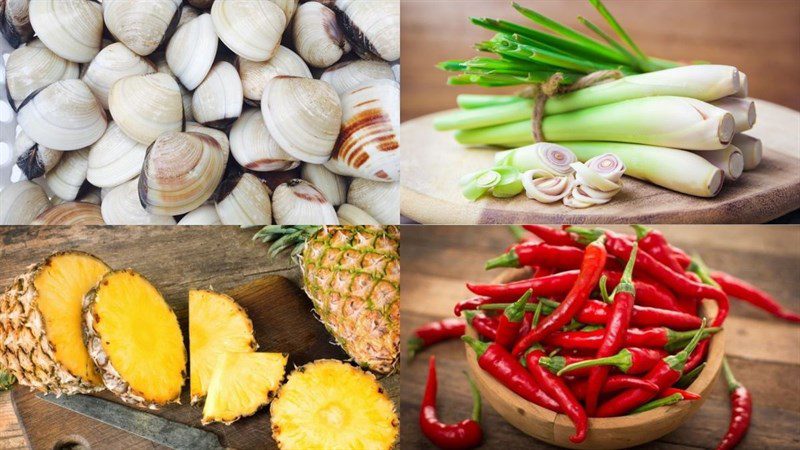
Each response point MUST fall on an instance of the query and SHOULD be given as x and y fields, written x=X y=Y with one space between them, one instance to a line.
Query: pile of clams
x=236 y=112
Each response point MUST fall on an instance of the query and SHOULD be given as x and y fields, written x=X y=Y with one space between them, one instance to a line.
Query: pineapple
x=352 y=275
x=241 y=384
x=134 y=338
x=332 y=404
x=40 y=325
x=217 y=324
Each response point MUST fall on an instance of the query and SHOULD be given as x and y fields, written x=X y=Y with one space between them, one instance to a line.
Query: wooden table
x=762 y=351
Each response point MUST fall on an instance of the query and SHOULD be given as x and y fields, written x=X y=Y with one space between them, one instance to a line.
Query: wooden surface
x=760 y=37
x=762 y=351
x=433 y=162
x=176 y=259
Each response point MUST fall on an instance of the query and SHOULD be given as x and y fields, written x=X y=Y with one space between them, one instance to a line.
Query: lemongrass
x=678 y=170
x=751 y=149
x=583 y=196
x=547 y=156
x=472 y=101
x=608 y=166
x=544 y=187
x=475 y=184
x=485 y=117
x=730 y=160
x=510 y=184
x=744 y=89
x=587 y=176
x=742 y=109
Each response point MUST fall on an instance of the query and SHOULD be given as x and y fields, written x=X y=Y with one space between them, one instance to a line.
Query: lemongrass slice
x=586 y=176
x=742 y=109
x=542 y=186
x=751 y=149
x=581 y=196
x=510 y=183
x=475 y=184
x=730 y=160
x=553 y=158
x=608 y=166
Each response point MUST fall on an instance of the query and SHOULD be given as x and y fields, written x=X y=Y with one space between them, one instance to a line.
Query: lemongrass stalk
x=677 y=170
x=485 y=117
x=546 y=156
x=751 y=149
x=744 y=88
x=742 y=109
x=676 y=122
x=730 y=160
x=473 y=101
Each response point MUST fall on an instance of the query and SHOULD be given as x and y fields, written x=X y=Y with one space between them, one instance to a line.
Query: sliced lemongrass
x=581 y=196
x=475 y=184
x=510 y=183
x=472 y=101
x=751 y=149
x=586 y=176
x=608 y=166
x=542 y=186
x=742 y=109
x=553 y=158
x=730 y=160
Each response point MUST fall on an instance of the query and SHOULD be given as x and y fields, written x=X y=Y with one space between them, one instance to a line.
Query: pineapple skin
x=25 y=349
x=352 y=275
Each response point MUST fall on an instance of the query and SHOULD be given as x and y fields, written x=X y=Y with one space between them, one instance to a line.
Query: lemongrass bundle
x=730 y=160
x=743 y=111
x=751 y=149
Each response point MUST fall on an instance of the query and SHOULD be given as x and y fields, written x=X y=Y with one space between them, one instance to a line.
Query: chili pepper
x=653 y=242
x=484 y=326
x=499 y=363
x=511 y=321
x=647 y=294
x=664 y=374
x=686 y=395
x=548 y=286
x=594 y=260
x=527 y=321
x=470 y=304
x=552 y=235
x=630 y=360
x=542 y=271
x=671 y=400
x=688 y=378
x=596 y=313
x=680 y=256
x=743 y=290
x=652 y=337
x=741 y=409
x=433 y=332
x=699 y=268
x=521 y=235
x=614 y=383
x=462 y=435
x=540 y=254
x=687 y=305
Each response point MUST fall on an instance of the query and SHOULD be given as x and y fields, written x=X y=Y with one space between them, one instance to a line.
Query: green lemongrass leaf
x=633 y=60
x=473 y=101
x=510 y=183
x=513 y=45
x=452 y=65
x=601 y=8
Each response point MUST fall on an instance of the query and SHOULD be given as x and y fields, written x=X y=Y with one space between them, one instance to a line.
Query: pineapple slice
x=134 y=338
x=217 y=324
x=241 y=384
x=40 y=325
x=332 y=404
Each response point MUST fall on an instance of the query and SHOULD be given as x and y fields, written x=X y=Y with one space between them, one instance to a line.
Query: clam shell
x=145 y=106
x=70 y=213
x=289 y=7
x=33 y=67
x=15 y=23
x=255 y=74
x=121 y=206
x=303 y=115
x=396 y=72
x=353 y=215
x=217 y=101
x=298 y=202
x=242 y=199
x=141 y=25
x=112 y=64
x=72 y=29
x=220 y=137
x=115 y=158
x=346 y=75
x=33 y=159
x=371 y=26
x=188 y=13
x=21 y=202
x=181 y=171
x=160 y=61
x=253 y=147
x=66 y=179
x=204 y=215
x=379 y=200
x=63 y=116
x=317 y=36
x=250 y=29
x=332 y=186
x=368 y=145
x=191 y=51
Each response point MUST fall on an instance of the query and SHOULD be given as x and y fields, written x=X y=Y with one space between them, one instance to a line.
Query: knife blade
x=148 y=426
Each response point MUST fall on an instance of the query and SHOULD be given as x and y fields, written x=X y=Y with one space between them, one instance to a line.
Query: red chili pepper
x=527 y=322
x=630 y=360
x=659 y=402
x=433 y=332
x=552 y=235
x=543 y=272
x=511 y=321
x=548 y=286
x=596 y=313
x=522 y=236
x=680 y=256
x=653 y=337
x=470 y=304
x=689 y=376
x=547 y=255
x=614 y=383
x=741 y=410
x=653 y=242
x=686 y=395
x=687 y=305
x=499 y=363
x=463 y=435
x=594 y=260
x=483 y=325
x=743 y=290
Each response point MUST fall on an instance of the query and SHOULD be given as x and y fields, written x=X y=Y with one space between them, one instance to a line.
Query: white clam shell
x=63 y=116
x=317 y=36
x=217 y=101
x=380 y=200
x=250 y=29
x=303 y=115
x=204 y=215
x=369 y=145
x=346 y=75
x=33 y=67
x=188 y=13
x=66 y=179
x=145 y=106
x=220 y=137
x=253 y=147
x=140 y=25
x=16 y=25
x=353 y=215
x=70 y=213
x=121 y=206
x=112 y=64
x=255 y=74
x=115 y=158
x=34 y=160
x=289 y=7
x=191 y=51
x=332 y=186
x=372 y=26
x=243 y=200
x=298 y=202
x=72 y=29
x=21 y=202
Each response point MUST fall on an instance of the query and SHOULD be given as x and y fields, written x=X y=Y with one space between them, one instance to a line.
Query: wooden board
x=177 y=259
x=433 y=162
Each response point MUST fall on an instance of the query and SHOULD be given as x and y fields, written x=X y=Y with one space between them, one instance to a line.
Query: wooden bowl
x=604 y=433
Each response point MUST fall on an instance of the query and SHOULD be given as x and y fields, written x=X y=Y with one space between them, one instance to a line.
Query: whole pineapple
x=352 y=275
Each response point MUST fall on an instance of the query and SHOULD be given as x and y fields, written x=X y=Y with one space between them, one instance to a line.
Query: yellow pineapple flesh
x=329 y=404
x=241 y=384
x=217 y=324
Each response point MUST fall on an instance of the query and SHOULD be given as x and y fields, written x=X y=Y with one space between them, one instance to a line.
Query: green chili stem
x=622 y=360
x=476 y=399
x=669 y=400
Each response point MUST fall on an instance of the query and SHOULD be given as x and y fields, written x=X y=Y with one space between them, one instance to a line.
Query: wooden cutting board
x=433 y=162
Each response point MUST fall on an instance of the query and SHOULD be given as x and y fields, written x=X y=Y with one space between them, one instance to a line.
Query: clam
x=191 y=51
x=21 y=202
x=218 y=135
x=288 y=7
x=303 y=115
x=372 y=27
x=250 y=29
x=115 y=158
x=188 y=13
x=72 y=29
x=33 y=159
x=353 y=215
x=317 y=36
x=379 y=200
x=121 y=206
x=33 y=67
x=348 y=74
x=253 y=147
x=112 y=64
x=217 y=101
x=70 y=213
x=15 y=23
x=369 y=143
x=204 y=215
x=396 y=71
x=299 y=202
x=63 y=116
x=255 y=74
x=242 y=199
x=141 y=26
x=332 y=186
x=68 y=176
x=180 y=172
x=145 y=106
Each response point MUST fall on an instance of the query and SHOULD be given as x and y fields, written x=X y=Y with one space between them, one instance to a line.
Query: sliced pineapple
x=217 y=324
x=331 y=404
x=134 y=338
x=40 y=324
x=241 y=384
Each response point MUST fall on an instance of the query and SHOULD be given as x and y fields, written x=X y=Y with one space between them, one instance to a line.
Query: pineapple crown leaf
x=6 y=380
x=285 y=237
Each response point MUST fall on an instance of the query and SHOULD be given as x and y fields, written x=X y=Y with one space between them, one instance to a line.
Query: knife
x=148 y=426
